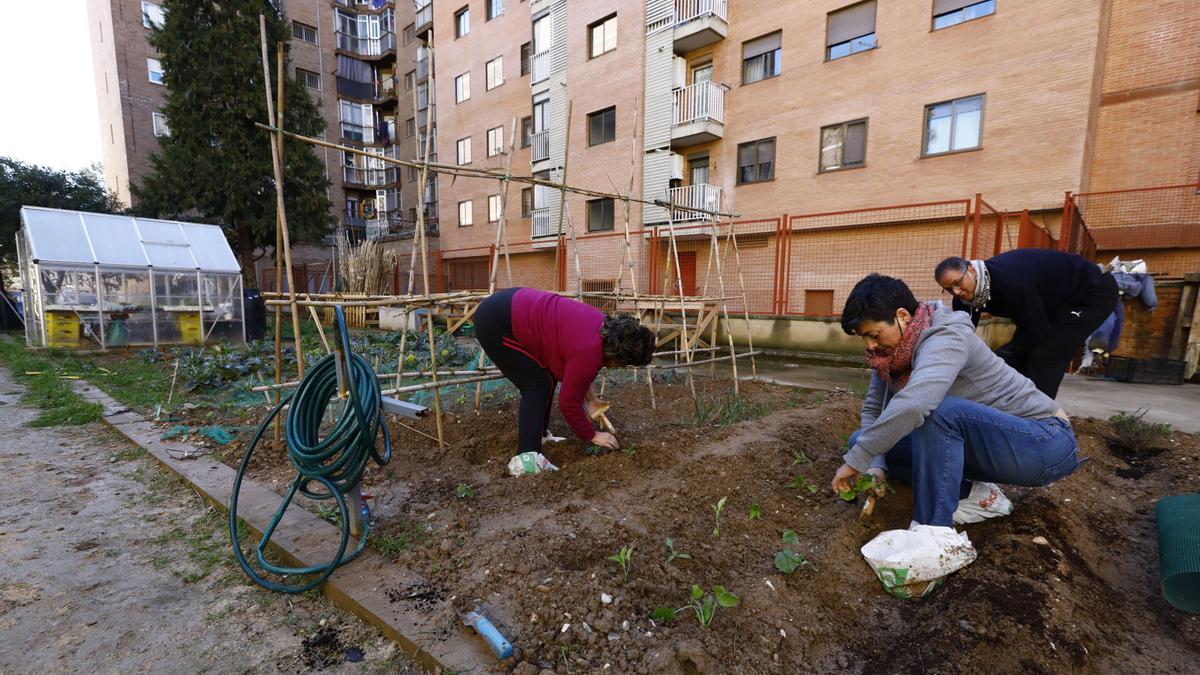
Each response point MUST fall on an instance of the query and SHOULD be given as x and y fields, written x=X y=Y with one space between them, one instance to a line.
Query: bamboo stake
x=383 y=376
x=490 y=174
x=320 y=329
x=416 y=430
x=745 y=302
x=687 y=347
x=437 y=392
x=716 y=253
x=435 y=386
x=562 y=196
x=675 y=366
x=403 y=345
x=277 y=161
x=633 y=153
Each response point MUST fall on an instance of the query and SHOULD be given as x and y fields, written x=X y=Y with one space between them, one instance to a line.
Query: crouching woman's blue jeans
x=964 y=441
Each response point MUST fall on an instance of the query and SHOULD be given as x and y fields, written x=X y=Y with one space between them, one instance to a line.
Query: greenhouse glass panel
x=210 y=248
x=129 y=316
x=177 y=298
x=69 y=306
x=114 y=242
x=57 y=236
x=222 y=295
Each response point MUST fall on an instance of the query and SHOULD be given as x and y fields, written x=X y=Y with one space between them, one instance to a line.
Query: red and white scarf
x=895 y=368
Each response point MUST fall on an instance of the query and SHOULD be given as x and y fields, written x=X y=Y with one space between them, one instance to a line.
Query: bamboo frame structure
x=458 y=307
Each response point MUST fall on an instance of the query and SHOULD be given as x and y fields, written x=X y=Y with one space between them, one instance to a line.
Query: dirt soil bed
x=1069 y=582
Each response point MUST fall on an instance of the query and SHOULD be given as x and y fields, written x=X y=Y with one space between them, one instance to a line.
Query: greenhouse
x=98 y=281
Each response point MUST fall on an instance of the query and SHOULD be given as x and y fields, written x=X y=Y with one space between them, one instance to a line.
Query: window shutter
x=942 y=6
x=768 y=43
x=855 y=150
x=851 y=22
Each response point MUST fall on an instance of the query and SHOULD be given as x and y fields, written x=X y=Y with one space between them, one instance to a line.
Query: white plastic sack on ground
x=529 y=463
x=911 y=563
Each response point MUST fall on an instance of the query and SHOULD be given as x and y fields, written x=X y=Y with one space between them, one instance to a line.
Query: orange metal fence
x=805 y=265
x=1159 y=224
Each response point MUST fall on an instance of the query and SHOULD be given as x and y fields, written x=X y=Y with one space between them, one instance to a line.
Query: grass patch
x=47 y=387
x=724 y=410
x=398 y=536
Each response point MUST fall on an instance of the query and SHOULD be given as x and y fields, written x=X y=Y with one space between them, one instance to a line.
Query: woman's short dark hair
x=876 y=298
x=626 y=341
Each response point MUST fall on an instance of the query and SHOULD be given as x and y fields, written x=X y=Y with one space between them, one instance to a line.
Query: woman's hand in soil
x=606 y=440
x=844 y=479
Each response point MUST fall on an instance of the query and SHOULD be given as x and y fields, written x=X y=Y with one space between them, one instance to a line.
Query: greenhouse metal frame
x=96 y=280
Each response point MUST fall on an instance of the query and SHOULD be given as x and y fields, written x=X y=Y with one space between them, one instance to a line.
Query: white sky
x=48 y=115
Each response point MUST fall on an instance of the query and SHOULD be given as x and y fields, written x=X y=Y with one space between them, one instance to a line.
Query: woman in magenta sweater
x=539 y=339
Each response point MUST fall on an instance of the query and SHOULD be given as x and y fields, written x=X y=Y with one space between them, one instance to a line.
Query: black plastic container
x=256 y=314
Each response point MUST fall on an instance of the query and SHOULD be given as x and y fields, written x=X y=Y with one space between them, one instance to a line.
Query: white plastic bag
x=529 y=463
x=911 y=563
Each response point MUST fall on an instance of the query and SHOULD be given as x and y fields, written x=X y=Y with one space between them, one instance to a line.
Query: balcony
x=698 y=114
x=539 y=67
x=424 y=18
x=367 y=47
x=422 y=70
x=540 y=223
x=540 y=146
x=388 y=224
x=699 y=23
x=369 y=178
x=699 y=196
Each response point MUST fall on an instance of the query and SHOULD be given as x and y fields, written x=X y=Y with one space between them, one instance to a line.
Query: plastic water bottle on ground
x=529 y=463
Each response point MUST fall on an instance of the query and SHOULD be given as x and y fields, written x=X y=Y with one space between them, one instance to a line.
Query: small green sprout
x=672 y=554
x=755 y=512
x=464 y=491
x=621 y=558
x=717 y=509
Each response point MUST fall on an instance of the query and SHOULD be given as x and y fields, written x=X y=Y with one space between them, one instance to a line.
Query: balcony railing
x=699 y=196
x=369 y=177
x=540 y=226
x=386 y=223
x=686 y=10
x=540 y=142
x=539 y=67
x=699 y=102
x=367 y=46
x=424 y=16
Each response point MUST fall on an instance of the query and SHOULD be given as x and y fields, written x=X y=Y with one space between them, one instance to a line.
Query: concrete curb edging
x=304 y=539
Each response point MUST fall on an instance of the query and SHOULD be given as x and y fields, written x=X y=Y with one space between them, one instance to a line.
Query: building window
x=762 y=58
x=156 y=71
x=410 y=79
x=464 y=214
x=160 y=124
x=602 y=36
x=494 y=73
x=463 y=150
x=525 y=54
x=756 y=161
x=412 y=174
x=494 y=8
x=304 y=32
x=953 y=125
x=410 y=34
x=462 y=22
x=600 y=214
x=526 y=131
x=843 y=145
x=462 y=87
x=309 y=79
x=410 y=127
x=948 y=13
x=493 y=208
x=526 y=202
x=152 y=15
x=495 y=141
x=850 y=30
x=602 y=126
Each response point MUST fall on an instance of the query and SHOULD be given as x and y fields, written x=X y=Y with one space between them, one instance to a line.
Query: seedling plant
x=755 y=512
x=621 y=558
x=703 y=605
x=672 y=554
x=787 y=560
x=717 y=509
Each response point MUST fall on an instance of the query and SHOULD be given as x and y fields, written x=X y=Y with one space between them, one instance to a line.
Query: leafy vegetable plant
x=621 y=558
x=672 y=554
x=717 y=509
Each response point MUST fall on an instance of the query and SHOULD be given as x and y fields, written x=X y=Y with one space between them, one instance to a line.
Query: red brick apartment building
x=844 y=136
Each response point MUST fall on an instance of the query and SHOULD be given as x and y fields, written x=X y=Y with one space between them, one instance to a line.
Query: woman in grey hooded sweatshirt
x=944 y=413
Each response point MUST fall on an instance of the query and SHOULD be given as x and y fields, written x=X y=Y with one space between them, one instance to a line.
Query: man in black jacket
x=1055 y=299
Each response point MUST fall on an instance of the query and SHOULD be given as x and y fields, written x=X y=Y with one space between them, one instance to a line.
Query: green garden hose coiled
x=336 y=461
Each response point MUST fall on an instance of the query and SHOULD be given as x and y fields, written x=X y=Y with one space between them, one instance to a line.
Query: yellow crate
x=62 y=329
x=190 y=329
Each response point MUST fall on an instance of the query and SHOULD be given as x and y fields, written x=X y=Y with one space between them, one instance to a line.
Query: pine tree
x=216 y=165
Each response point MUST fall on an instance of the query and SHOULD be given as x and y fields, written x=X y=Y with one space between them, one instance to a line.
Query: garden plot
x=1068 y=582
